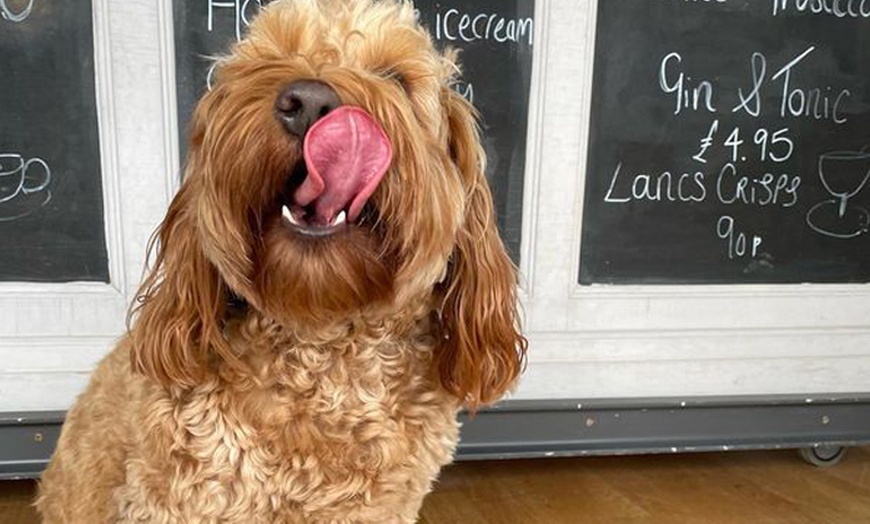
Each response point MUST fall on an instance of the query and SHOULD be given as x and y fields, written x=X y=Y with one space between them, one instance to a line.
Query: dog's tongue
x=347 y=154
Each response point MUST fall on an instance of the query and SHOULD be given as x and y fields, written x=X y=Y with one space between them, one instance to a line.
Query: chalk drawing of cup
x=15 y=13
x=20 y=177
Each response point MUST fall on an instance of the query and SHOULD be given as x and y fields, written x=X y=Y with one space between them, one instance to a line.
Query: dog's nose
x=304 y=102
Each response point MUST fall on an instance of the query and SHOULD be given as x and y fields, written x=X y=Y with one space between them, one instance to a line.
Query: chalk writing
x=243 y=12
x=739 y=244
x=730 y=184
x=695 y=97
x=706 y=142
x=751 y=103
x=23 y=186
x=835 y=8
x=466 y=89
x=725 y=143
x=774 y=145
x=454 y=25
x=15 y=14
x=450 y=25
x=812 y=103
x=662 y=187
x=817 y=103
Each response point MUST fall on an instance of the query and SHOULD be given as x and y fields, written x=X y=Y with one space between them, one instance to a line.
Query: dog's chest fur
x=317 y=432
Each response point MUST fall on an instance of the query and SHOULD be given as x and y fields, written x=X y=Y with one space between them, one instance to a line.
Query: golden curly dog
x=329 y=288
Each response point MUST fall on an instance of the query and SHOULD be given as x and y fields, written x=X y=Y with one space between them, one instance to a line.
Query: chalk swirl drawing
x=23 y=186
x=15 y=15
x=843 y=174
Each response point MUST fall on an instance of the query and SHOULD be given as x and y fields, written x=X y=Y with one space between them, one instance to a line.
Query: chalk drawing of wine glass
x=23 y=186
x=843 y=174
x=15 y=14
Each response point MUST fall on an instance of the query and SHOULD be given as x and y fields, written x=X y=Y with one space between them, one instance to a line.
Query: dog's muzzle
x=346 y=155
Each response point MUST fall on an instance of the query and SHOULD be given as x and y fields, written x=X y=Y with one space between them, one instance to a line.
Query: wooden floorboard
x=15 y=499
x=774 y=487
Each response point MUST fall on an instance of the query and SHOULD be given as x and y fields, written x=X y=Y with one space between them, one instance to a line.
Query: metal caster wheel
x=823 y=456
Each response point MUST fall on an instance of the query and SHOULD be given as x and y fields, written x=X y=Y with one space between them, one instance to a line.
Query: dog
x=327 y=290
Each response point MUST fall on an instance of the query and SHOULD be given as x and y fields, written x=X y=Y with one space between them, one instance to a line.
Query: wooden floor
x=743 y=488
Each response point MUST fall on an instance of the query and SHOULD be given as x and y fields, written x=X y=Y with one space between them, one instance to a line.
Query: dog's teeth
x=285 y=212
x=340 y=219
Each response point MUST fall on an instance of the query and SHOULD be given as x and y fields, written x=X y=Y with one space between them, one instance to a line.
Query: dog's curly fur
x=271 y=377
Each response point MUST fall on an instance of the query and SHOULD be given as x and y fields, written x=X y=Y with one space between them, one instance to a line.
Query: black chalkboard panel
x=495 y=37
x=729 y=143
x=51 y=198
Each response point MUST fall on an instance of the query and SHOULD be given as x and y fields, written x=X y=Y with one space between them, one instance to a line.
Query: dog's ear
x=179 y=308
x=482 y=351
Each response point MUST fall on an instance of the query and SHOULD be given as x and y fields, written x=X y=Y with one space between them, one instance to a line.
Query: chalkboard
x=51 y=198
x=729 y=143
x=496 y=39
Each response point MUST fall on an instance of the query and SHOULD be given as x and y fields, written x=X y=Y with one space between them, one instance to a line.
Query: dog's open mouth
x=346 y=155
